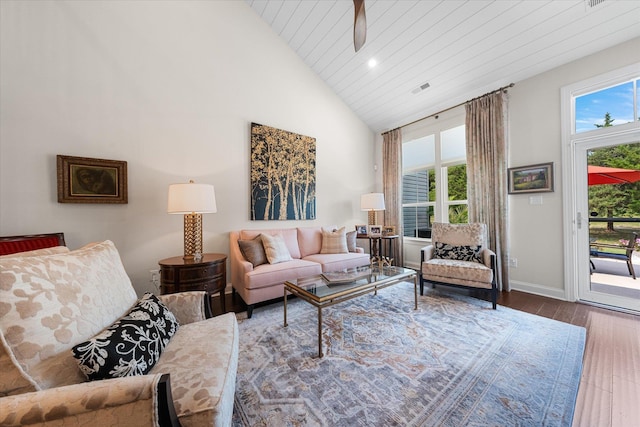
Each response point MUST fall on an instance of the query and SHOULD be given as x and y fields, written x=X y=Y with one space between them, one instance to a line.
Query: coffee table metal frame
x=372 y=285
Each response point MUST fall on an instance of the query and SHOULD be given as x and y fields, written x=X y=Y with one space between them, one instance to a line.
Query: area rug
x=452 y=362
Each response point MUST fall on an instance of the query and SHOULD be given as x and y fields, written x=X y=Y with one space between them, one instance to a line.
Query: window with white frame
x=611 y=106
x=434 y=180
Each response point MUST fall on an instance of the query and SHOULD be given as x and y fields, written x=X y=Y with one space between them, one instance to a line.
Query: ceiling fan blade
x=359 y=25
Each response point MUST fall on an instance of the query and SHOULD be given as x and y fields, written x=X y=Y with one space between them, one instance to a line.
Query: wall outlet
x=155 y=278
x=513 y=262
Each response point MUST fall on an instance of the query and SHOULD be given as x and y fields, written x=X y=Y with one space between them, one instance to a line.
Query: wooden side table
x=209 y=274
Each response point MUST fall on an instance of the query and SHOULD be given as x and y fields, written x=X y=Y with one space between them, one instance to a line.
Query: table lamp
x=372 y=202
x=192 y=200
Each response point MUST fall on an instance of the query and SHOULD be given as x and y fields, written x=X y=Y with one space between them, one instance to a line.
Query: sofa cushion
x=202 y=359
x=337 y=262
x=275 y=248
x=253 y=251
x=457 y=252
x=132 y=345
x=465 y=273
x=47 y=306
x=334 y=241
x=276 y=274
x=309 y=240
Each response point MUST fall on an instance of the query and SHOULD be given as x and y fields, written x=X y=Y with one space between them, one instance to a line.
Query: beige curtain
x=392 y=187
x=486 y=127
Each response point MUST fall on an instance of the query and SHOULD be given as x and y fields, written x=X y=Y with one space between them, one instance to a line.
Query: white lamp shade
x=372 y=202
x=191 y=198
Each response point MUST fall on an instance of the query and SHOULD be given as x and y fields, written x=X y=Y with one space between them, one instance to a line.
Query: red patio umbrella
x=605 y=175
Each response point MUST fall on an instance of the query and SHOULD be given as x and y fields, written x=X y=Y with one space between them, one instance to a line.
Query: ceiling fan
x=359 y=25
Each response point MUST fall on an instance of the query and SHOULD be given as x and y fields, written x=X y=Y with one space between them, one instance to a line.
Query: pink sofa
x=266 y=281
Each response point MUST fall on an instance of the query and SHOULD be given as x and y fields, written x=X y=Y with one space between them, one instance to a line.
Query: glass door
x=609 y=205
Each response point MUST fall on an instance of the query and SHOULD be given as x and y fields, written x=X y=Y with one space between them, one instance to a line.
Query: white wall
x=536 y=231
x=171 y=88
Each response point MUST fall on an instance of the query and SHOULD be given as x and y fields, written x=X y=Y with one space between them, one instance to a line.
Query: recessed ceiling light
x=372 y=63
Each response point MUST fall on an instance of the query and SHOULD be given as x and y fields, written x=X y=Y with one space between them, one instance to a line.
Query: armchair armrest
x=426 y=253
x=188 y=307
x=488 y=258
x=138 y=400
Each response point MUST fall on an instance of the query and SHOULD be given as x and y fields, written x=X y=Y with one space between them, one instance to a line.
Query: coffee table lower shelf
x=305 y=289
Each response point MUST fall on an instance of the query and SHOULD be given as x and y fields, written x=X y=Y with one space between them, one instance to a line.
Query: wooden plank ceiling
x=463 y=49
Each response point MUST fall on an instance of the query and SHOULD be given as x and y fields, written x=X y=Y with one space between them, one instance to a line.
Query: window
x=611 y=106
x=434 y=181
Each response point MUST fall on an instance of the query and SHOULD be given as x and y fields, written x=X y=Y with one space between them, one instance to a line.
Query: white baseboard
x=533 y=288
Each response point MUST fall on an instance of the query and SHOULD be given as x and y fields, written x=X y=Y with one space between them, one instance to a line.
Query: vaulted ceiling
x=462 y=49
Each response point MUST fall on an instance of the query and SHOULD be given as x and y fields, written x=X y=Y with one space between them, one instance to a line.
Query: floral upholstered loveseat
x=52 y=300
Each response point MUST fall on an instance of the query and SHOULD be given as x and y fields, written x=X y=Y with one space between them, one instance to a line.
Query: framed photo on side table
x=87 y=180
x=375 y=230
x=531 y=179
x=361 y=231
x=388 y=230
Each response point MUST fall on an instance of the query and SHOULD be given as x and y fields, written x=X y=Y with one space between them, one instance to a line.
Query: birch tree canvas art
x=283 y=174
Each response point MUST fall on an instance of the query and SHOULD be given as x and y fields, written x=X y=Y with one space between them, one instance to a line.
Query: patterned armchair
x=458 y=256
x=53 y=299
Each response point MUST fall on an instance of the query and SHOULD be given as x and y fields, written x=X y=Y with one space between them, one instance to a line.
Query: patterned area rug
x=453 y=362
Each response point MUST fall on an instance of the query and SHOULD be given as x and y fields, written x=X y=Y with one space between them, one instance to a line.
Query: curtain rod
x=455 y=106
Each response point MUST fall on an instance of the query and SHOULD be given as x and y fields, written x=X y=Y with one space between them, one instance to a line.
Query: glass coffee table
x=327 y=289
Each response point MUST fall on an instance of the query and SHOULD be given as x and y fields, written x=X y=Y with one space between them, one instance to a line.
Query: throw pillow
x=275 y=248
x=351 y=241
x=460 y=253
x=334 y=242
x=253 y=251
x=132 y=345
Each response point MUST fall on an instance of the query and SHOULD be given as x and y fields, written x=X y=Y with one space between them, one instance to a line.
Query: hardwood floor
x=609 y=394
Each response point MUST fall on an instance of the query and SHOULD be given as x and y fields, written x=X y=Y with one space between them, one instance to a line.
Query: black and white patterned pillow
x=460 y=253
x=132 y=345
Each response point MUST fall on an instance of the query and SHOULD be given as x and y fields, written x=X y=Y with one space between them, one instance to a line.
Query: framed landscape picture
x=531 y=179
x=87 y=180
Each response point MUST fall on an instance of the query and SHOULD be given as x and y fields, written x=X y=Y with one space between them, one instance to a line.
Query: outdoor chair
x=459 y=256
x=597 y=251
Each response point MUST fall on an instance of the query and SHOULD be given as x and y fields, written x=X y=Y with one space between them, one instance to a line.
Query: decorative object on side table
x=388 y=230
x=87 y=180
x=361 y=230
x=181 y=275
x=374 y=231
x=192 y=200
